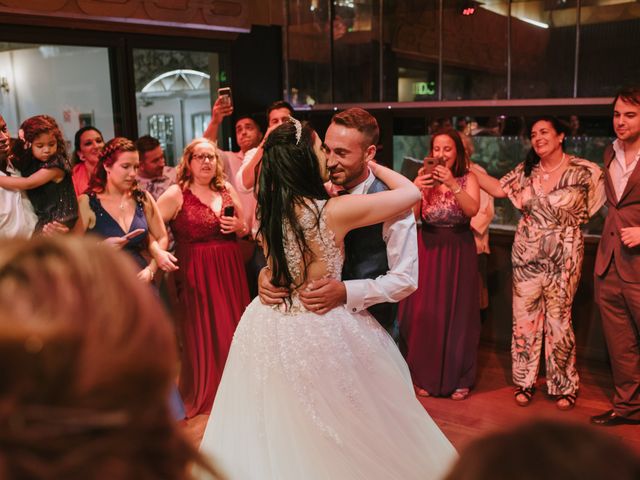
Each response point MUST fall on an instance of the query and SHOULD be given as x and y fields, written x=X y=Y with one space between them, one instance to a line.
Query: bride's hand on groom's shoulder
x=323 y=295
x=270 y=294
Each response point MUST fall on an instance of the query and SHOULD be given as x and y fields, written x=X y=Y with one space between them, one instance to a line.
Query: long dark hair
x=289 y=174
x=77 y=140
x=461 y=165
x=532 y=159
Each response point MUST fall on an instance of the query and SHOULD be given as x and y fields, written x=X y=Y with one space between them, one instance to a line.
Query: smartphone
x=430 y=163
x=225 y=93
x=134 y=233
x=229 y=211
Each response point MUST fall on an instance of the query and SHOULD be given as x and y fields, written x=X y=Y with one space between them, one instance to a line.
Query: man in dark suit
x=617 y=268
x=381 y=265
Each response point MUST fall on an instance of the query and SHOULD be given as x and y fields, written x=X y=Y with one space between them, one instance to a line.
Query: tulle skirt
x=306 y=396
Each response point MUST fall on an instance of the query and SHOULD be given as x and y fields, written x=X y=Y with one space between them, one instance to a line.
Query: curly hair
x=109 y=156
x=31 y=129
x=184 y=175
x=86 y=394
x=289 y=174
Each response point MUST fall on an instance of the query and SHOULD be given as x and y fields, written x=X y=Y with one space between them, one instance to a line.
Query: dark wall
x=256 y=66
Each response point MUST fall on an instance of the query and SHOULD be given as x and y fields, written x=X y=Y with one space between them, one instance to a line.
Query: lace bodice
x=326 y=258
x=196 y=222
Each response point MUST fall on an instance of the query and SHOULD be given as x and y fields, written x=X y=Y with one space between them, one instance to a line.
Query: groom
x=381 y=261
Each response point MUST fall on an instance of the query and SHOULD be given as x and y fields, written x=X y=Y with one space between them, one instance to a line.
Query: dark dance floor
x=491 y=407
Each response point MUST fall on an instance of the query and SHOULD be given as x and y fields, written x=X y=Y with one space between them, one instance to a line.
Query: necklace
x=545 y=175
x=122 y=202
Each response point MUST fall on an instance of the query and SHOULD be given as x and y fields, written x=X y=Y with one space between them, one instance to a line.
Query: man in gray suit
x=617 y=268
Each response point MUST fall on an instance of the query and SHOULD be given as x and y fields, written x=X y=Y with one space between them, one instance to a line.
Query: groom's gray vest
x=366 y=257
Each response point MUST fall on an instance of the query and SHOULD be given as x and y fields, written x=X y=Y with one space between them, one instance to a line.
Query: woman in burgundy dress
x=440 y=321
x=212 y=286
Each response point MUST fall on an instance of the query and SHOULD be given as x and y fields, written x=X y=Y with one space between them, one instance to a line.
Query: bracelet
x=457 y=190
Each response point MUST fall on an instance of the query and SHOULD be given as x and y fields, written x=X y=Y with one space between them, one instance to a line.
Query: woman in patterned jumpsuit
x=556 y=194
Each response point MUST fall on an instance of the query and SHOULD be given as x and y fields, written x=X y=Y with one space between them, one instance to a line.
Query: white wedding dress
x=307 y=396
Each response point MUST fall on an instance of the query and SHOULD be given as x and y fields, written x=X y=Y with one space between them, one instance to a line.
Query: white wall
x=61 y=81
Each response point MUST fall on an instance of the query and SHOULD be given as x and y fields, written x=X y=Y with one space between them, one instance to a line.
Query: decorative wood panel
x=130 y=15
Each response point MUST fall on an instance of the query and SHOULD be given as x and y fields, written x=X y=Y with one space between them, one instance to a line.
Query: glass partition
x=499 y=153
x=349 y=51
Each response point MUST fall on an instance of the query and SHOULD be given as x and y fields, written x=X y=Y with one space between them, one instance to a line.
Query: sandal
x=460 y=394
x=524 y=395
x=421 y=392
x=566 y=401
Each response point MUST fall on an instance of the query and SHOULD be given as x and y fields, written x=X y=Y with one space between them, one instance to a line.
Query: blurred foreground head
x=88 y=357
x=547 y=450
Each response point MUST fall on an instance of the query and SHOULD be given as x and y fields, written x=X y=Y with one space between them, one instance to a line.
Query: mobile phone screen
x=229 y=211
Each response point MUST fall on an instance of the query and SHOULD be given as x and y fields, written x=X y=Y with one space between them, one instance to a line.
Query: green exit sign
x=424 y=88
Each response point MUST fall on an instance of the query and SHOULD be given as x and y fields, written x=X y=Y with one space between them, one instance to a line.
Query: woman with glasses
x=205 y=215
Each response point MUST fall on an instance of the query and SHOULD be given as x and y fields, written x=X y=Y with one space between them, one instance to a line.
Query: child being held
x=41 y=156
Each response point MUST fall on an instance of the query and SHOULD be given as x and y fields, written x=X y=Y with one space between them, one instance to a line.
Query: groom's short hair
x=362 y=121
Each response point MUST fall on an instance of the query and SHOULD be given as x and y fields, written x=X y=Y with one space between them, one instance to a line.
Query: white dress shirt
x=17 y=218
x=619 y=170
x=233 y=162
x=401 y=280
x=249 y=154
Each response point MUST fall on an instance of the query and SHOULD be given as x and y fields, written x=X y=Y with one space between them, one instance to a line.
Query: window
x=70 y=83
x=161 y=127
x=173 y=86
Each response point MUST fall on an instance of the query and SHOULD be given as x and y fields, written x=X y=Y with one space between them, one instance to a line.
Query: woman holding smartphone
x=205 y=215
x=127 y=217
x=440 y=321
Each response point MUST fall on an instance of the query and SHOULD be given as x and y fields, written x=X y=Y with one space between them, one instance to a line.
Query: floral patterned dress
x=547 y=255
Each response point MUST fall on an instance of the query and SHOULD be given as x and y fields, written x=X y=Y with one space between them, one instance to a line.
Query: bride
x=307 y=396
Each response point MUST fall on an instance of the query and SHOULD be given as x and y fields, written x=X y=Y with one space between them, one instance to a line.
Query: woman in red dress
x=211 y=282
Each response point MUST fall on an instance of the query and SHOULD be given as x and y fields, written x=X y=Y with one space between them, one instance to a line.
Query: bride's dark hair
x=289 y=174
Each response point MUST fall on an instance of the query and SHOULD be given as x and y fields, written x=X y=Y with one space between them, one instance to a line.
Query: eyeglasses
x=201 y=157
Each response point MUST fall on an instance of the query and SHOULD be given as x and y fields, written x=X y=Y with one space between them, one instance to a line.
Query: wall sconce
x=4 y=85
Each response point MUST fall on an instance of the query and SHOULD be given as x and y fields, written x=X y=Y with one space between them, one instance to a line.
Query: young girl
x=41 y=157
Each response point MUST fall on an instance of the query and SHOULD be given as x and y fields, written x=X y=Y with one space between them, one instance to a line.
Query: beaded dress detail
x=319 y=396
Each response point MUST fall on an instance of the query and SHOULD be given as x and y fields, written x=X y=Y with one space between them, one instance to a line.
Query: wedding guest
x=92 y=358
x=88 y=143
x=545 y=449
x=154 y=176
x=40 y=154
x=205 y=216
x=556 y=193
x=480 y=227
x=440 y=321
x=116 y=209
x=617 y=267
x=17 y=218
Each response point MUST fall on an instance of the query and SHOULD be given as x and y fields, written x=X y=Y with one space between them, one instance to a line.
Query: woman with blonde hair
x=205 y=216
x=86 y=392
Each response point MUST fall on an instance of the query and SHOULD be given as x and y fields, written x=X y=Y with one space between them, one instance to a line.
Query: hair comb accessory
x=27 y=145
x=298 y=125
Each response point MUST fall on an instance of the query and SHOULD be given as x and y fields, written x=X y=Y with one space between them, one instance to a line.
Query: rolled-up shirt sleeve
x=402 y=278
x=245 y=161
